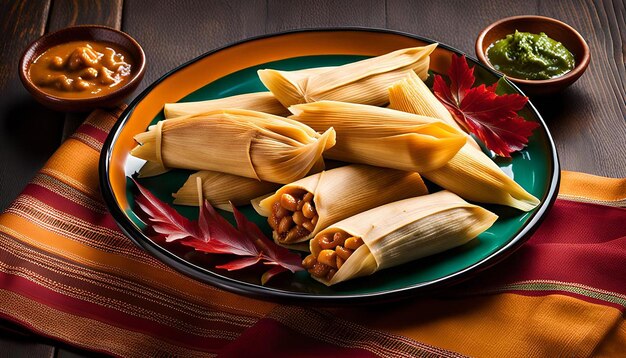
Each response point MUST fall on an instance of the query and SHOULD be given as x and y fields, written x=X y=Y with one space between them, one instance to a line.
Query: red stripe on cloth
x=579 y=243
x=113 y=317
x=70 y=207
x=95 y=133
x=572 y=222
x=269 y=338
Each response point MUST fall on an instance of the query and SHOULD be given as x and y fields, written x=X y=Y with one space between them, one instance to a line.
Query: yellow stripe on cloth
x=593 y=189
x=502 y=325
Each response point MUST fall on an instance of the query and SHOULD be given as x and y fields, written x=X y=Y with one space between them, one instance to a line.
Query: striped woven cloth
x=68 y=273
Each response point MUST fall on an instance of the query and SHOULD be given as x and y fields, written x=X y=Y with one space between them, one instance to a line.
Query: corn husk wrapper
x=413 y=96
x=236 y=141
x=363 y=81
x=220 y=189
x=470 y=173
x=408 y=230
x=260 y=101
x=382 y=137
x=150 y=169
x=345 y=191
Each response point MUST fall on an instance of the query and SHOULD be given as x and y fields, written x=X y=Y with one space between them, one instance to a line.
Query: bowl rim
x=275 y=295
x=580 y=67
x=36 y=91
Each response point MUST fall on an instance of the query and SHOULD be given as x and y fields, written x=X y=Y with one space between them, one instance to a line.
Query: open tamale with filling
x=220 y=189
x=394 y=234
x=381 y=136
x=236 y=141
x=297 y=211
x=363 y=81
x=470 y=173
x=259 y=101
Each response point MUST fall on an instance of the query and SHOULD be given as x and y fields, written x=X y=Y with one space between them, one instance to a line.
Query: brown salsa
x=81 y=69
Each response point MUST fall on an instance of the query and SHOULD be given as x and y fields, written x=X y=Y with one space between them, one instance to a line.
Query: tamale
x=382 y=137
x=470 y=173
x=221 y=188
x=151 y=169
x=413 y=96
x=297 y=211
x=236 y=141
x=362 y=82
x=394 y=234
x=260 y=101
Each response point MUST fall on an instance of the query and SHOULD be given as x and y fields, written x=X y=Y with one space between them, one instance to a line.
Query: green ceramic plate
x=227 y=72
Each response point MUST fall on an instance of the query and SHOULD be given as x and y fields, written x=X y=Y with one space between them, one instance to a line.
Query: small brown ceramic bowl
x=84 y=33
x=556 y=30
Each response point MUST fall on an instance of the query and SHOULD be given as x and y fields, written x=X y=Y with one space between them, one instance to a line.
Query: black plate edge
x=281 y=296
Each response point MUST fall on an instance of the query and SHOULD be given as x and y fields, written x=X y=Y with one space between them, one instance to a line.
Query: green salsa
x=530 y=56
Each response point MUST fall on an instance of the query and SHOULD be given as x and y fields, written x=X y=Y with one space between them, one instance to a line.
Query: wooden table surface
x=588 y=120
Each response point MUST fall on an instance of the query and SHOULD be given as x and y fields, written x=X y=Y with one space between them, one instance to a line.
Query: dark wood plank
x=29 y=133
x=455 y=23
x=12 y=347
x=588 y=120
x=66 y=13
x=175 y=32
x=16 y=341
x=287 y=15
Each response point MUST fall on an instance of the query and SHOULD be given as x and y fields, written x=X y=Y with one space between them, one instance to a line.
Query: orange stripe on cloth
x=614 y=344
x=82 y=231
x=503 y=325
x=72 y=328
x=593 y=189
x=166 y=279
x=64 y=166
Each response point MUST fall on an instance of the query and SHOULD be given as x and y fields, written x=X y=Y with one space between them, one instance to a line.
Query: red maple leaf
x=213 y=234
x=164 y=219
x=491 y=117
x=217 y=236
x=272 y=254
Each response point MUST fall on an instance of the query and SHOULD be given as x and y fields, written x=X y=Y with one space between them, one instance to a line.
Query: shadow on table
x=28 y=128
x=556 y=109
